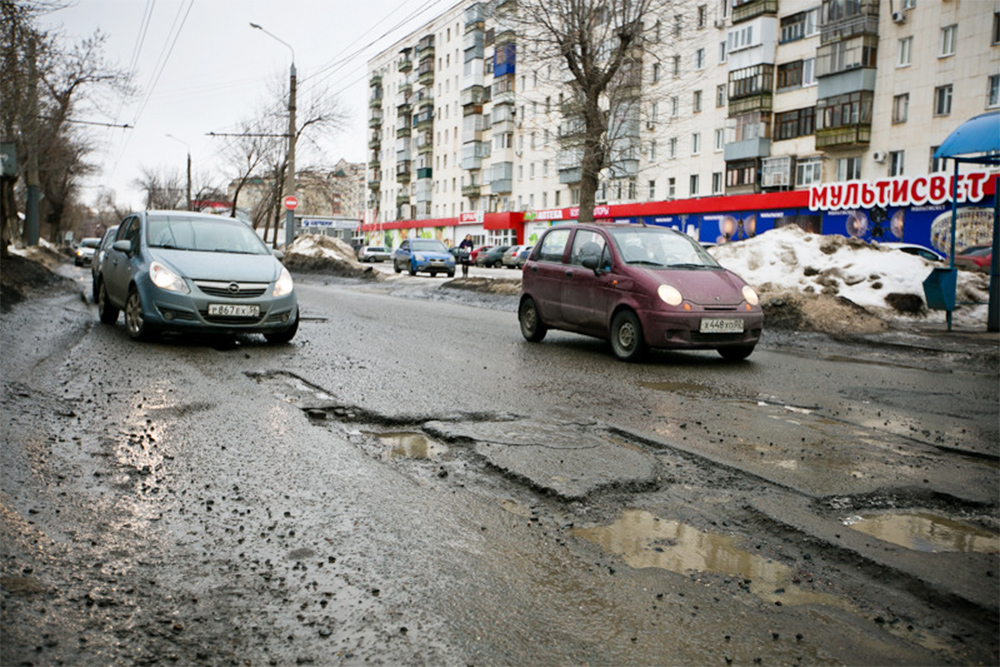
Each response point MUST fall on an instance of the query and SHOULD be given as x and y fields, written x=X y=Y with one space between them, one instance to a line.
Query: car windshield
x=199 y=234
x=427 y=245
x=660 y=249
x=90 y=243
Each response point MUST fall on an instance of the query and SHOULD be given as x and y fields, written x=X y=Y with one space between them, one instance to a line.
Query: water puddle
x=409 y=445
x=927 y=532
x=644 y=540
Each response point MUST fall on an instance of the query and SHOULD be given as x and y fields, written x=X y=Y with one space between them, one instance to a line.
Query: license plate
x=727 y=325
x=231 y=310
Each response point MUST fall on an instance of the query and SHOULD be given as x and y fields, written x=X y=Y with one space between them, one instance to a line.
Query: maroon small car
x=639 y=287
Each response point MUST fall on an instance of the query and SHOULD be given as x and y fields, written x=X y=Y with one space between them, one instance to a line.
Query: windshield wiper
x=644 y=262
x=690 y=266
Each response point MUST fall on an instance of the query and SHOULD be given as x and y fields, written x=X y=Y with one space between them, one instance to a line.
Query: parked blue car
x=192 y=272
x=423 y=255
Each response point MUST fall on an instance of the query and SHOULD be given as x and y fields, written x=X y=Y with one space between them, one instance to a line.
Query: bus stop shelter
x=976 y=141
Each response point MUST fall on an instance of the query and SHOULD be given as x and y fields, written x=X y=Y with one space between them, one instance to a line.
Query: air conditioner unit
x=650 y=125
x=878 y=156
x=720 y=23
x=899 y=17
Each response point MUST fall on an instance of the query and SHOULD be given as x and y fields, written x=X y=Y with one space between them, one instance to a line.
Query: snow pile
x=789 y=265
x=323 y=254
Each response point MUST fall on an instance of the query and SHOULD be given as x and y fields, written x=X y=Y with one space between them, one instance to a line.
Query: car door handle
x=569 y=274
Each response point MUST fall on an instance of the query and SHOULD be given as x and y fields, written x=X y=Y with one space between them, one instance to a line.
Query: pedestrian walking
x=464 y=253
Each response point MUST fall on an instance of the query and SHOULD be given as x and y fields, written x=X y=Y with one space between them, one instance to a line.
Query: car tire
x=532 y=327
x=738 y=353
x=285 y=335
x=395 y=267
x=107 y=312
x=626 y=336
x=413 y=269
x=451 y=274
x=135 y=321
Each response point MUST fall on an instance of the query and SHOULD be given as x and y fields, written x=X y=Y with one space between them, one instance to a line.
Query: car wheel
x=736 y=353
x=395 y=267
x=532 y=327
x=626 y=336
x=451 y=274
x=285 y=335
x=135 y=322
x=107 y=312
x=413 y=269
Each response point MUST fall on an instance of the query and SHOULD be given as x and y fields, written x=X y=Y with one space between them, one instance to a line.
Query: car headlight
x=750 y=295
x=418 y=257
x=670 y=295
x=165 y=278
x=283 y=285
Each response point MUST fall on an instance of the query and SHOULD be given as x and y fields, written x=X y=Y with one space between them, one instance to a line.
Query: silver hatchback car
x=193 y=272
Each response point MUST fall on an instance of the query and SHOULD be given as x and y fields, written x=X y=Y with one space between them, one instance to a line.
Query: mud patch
x=408 y=445
x=926 y=532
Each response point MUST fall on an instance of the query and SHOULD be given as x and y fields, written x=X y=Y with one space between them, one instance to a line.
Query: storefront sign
x=913 y=191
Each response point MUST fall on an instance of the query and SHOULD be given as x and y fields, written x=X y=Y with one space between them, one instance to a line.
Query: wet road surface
x=409 y=481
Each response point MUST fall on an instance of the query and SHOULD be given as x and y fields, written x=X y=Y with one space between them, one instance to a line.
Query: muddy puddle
x=926 y=532
x=688 y=388
x=644 y=540
x=408 y=445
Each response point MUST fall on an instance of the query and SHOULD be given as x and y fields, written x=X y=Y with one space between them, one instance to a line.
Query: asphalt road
x=409 y=481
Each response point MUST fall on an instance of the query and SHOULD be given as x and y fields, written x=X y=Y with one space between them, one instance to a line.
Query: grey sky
x=220 y=70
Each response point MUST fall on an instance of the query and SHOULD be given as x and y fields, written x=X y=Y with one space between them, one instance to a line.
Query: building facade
x=735 y=97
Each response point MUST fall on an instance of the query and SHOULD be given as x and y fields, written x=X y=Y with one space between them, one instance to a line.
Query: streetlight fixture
x=188 y=169
x=290 y=176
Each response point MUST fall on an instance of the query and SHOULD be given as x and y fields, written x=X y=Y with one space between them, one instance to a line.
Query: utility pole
x=34 y=193
x=290 y=175
x=189 y=204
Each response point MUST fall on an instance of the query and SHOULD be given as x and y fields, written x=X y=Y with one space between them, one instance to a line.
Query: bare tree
x=601 y=45
x=164 y=188
x=44 y=85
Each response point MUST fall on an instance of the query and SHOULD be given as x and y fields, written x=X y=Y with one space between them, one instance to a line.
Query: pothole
x=408 y=445
x=644 y=540
x=926 y=532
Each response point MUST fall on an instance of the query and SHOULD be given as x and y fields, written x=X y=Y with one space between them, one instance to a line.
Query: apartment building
x=733 y=97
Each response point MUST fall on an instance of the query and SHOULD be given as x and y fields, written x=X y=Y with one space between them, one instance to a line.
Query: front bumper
x=679 y=329
x=171 y=311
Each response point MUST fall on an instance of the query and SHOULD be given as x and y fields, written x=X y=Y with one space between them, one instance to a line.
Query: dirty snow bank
x=841 y=283
x=322 y=254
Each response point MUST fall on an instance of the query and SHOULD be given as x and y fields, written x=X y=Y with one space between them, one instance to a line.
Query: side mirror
x=122 y=246
x=278 y=253
x=592 y=263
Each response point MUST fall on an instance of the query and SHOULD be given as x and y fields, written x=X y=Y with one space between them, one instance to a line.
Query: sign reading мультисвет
x=896 y=192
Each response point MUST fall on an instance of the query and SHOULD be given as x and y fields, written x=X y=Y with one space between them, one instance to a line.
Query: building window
x=809 y=72
x=702 y=15
x=905 y=52
x=673 y=147
x=652 y=191
x=896 y=160
x=652 y=149
x=694 y=185
x=993 y=91
x=699 y=59
x=677 y=65
x=848 y=168
x=722 y=53
x=808 y=171
x=696 y=101
x=949 y=35
x=678 y=24
x=790 y=76
x=674 y=106
x=717 y=183
x=799 y=26
x=900 y=108
x=797 y=123
x=741 y=173
x=844 y=110
x=656 y=72
x=654 y=113
x=996 y=28
x=936 y=164
x=671 y=188
x=909 y=4
x=720 y=139
x=696 y=143
x=720 y=95
x=942 y=100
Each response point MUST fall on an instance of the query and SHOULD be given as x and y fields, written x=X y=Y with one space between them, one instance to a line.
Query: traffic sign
x=290 y=202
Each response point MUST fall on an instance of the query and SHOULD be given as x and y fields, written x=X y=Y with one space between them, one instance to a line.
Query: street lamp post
x=188 y=169
x=290 y=175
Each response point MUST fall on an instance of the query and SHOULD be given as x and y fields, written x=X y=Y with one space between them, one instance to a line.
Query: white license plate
x=727 y=325
x=230 y=310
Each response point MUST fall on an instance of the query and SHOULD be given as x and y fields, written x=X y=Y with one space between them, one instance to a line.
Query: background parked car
x=423 y=255
x=474 y=255
x=522 y=256
x=975 y=258
x=509 y=259
x=86 y=250
x=914 y=249
x=374 y=253
x=95 y=265
x=193 y=272
x=492 y=257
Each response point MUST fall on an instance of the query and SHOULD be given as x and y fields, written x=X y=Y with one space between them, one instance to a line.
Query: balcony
x=405 y=64
x=403 y=172
x=375 y=118
x=423 y=119
x=745 y=150
x=844 y=137
x=424 y=172
x=474 y=15
x=761 y=102
x=403 y=199
x=474 y=95
x=744 y=10
x=472 y=191
x=425 y=74
x=403 y=131
x=375 y=143
x=375 y=81
x=374 y=184
x=375 y=101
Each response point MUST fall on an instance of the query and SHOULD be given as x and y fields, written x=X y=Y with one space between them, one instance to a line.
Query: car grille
x=232 y=290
